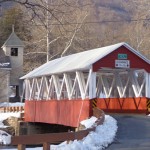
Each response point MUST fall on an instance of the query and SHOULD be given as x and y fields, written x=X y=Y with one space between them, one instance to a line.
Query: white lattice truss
x=87 y=84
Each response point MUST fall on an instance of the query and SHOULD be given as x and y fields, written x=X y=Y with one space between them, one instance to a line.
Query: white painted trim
x=125 y=87
x=99 y=85
x=81 y=83
x=88 y=83
x=49 y=88
x=27 y=92
x=32 y=89
x=23 y=91
x=73 y=88
x=40 y=89
x=61 y=87
x=68 y=84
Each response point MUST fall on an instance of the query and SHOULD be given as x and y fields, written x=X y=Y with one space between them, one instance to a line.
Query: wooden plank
x=50 y=137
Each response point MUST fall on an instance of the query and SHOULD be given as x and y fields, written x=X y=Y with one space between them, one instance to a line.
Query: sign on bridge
x=122 y=63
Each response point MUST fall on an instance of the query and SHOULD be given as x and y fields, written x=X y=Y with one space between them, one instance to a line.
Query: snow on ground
x=88 y=122
x=6 y=104
x=4 y=116
x=97 y=140
x=5 y=138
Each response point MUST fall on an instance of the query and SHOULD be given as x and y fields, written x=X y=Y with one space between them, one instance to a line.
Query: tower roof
x=13 y=40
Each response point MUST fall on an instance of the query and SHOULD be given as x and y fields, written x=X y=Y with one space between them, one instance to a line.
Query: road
x=133 y=133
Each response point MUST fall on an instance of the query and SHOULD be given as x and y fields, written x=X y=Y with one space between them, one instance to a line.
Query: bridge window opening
x=120 y=84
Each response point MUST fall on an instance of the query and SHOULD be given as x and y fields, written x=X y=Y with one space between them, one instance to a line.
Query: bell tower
x=14 y=47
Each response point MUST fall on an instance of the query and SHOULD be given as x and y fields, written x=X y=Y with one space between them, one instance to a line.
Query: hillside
x=124 y=20
x=106 y=22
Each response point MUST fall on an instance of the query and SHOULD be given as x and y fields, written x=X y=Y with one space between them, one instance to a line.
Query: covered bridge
x=115 y=78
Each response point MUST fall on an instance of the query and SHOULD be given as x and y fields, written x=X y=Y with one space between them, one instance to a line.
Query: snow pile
x=4 y=116
x=89 y=122
x=6 y=104
x=97 y=140
x=5 y=138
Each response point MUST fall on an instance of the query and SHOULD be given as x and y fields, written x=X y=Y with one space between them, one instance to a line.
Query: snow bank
x=5 y=138
x=97 y=140
x=89 y=122
x=6 y=104
x=4 y=116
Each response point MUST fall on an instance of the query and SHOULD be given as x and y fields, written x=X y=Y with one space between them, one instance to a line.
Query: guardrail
x=47 y=139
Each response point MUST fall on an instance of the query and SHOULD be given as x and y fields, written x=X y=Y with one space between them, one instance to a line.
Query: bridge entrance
x=122 y=90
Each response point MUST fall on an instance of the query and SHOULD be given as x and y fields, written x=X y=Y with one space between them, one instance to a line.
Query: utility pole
x=47 y=29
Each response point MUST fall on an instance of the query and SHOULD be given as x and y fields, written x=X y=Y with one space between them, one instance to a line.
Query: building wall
x=17 y=67
x=4 y=85
x=16 y=64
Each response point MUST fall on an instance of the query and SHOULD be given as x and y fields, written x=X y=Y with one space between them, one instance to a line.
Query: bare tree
x=54 y=25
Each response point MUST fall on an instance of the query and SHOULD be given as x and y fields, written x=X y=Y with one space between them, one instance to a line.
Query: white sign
x=122 y=63
x=4 y=64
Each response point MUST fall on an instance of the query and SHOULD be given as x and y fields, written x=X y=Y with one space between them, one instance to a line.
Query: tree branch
x=78 y=26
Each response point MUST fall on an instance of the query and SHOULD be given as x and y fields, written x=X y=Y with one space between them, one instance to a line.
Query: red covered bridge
x=61 y=90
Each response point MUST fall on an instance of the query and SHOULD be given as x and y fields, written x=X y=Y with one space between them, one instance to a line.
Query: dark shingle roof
x=13 y=40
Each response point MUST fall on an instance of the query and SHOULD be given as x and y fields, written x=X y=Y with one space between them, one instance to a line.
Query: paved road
x=133 y=133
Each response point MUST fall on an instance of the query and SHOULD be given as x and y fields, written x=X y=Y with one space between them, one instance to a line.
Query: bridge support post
x=46 y=146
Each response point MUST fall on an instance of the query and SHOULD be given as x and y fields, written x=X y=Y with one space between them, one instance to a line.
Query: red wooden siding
x=64 y=112
x=109 y=60
x=123 y=104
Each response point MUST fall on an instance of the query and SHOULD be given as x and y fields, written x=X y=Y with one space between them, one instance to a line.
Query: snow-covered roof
x=78 y=61
x=13 y=40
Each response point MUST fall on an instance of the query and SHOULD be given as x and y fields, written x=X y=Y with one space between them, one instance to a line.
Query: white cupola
x=14 y=47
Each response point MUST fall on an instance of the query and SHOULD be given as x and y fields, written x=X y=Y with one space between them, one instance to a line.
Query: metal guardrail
x=47 y=139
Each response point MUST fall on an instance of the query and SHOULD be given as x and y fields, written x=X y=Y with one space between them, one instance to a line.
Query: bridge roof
x=79 y=61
